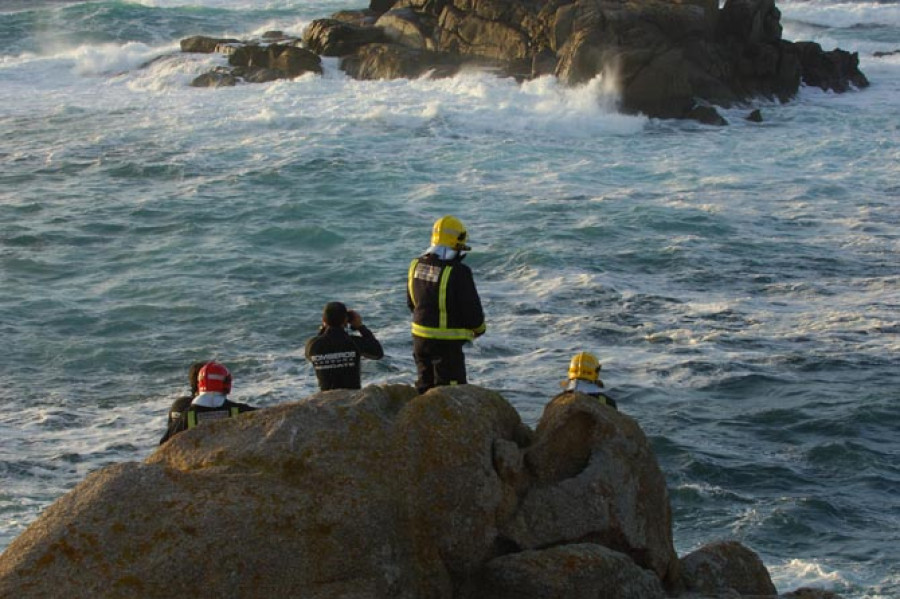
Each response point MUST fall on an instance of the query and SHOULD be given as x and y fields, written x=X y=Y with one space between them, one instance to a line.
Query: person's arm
x=308 y=352
x=366 y=344
x=175 y=410
x=469 y=301
x=410 y=302
x=180 y=424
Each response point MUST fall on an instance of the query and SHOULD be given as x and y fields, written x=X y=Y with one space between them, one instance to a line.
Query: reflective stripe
x=192 y=416
x=420 y=330
x=441 y=331
x=409 y=279
x=442 y=298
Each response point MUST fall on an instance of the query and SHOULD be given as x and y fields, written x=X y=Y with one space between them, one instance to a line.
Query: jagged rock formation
x=380 y=493
x=669 y=58
x=274 y=57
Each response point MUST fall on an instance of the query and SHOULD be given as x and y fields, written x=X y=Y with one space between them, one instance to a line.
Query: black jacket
x=178 y=406
x=443 y=299
x=335 y=355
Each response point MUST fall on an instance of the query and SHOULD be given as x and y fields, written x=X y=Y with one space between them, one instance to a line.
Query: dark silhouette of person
x=336 y=354
x=181 y=404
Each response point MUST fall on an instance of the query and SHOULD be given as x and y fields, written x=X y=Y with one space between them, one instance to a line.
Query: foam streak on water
x=740 y=284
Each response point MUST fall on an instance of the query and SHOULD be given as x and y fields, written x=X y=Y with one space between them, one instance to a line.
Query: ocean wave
x=842 y=14
x=796 y=573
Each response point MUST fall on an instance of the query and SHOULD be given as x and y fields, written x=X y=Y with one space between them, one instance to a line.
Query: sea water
x=740 y=284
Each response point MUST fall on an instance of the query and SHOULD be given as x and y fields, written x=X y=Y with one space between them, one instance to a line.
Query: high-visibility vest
x=440 y=275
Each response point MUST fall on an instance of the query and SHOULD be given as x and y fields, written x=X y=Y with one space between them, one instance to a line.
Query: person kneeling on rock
x=584 y=377
x=211 y=402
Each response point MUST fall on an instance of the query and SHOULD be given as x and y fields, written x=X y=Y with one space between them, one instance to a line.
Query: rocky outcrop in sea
x=382 y=493
x=667 y=58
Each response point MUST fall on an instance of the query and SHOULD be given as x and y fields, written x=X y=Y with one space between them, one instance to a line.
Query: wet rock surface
x=667 y=58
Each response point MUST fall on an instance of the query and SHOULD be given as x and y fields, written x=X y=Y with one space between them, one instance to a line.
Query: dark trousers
x=438 y=363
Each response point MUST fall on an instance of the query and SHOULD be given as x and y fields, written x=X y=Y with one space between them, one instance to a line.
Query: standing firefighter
x=446 y=309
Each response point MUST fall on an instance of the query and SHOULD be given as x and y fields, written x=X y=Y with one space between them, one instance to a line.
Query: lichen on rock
x=377 y=493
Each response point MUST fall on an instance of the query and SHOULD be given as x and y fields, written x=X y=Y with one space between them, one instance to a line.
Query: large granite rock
x=336 y=37
x=590 y=465
x=378 y=493
x=205 y=45
x=727 y=566
x=287 y=60
x=394 y=61
x=275 y=56
x=582 y=571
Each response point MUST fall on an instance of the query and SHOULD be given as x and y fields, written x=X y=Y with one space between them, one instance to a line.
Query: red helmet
x=214 y=377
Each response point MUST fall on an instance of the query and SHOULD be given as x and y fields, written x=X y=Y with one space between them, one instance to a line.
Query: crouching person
x=211 y=402
x=584 y=377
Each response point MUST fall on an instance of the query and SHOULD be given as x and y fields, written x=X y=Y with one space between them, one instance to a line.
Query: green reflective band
x=480 y=329
x=409 y=279
x=192 y=416
x=442 y=297
x=447 y=334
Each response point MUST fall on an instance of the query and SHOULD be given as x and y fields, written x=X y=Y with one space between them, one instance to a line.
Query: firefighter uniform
x=197 y=415
x=446 y=312
x=211 y=403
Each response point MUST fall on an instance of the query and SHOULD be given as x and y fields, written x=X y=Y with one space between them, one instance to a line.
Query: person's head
x=335 y=314
x=449 y=231
x=585 y=367
x=214 y=378
x=193 y=373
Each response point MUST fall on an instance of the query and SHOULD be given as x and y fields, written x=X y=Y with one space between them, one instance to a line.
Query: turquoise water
x=740 y=285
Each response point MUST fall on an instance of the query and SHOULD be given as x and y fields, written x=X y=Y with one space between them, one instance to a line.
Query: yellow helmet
x=449 y=231
x=585 y=366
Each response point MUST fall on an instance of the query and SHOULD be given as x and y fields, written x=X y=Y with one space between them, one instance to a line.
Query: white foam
x=291 y=29
x=841 y=14
x=714 y=491
x=797 y=573
x=222 y=4
x=109 y=58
